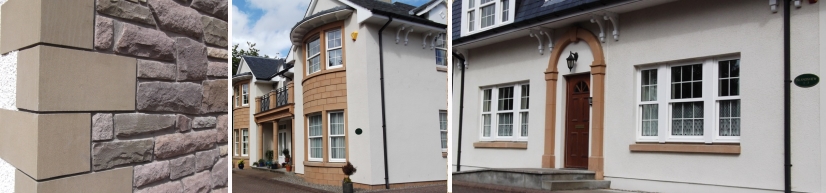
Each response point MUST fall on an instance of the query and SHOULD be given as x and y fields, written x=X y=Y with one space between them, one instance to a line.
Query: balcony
x=276 y=104
x=281 y=99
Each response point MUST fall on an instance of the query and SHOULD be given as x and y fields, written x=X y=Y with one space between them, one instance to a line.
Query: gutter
x=383 y=120
x=462 y=65
x=787 y=156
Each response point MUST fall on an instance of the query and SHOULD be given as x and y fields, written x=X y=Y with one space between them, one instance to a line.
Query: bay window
x=504 y=115
x=490 y=13
x=333 y=48
x=698 y=102
x=314 y=137
x=313 y=55
x=336 y=129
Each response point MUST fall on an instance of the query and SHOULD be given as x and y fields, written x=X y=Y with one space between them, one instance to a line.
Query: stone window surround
x=320 y=33
x=325 y=138
x=516 y=119
x=236 y=90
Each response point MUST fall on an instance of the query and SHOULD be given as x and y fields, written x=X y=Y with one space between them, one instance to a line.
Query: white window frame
x=235 y=142
x=494 y=111
x=236 y=97
x=710 y=99
x=245 y=94
x=310 y=57
x=329 y=49
x=309 y=136
x=330 y=136
x=245 y=142
x=443 y=129
x=474 y=8
x=441 y=47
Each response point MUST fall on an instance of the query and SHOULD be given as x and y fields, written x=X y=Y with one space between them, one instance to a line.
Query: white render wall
x=693 y=29
x=8 y=83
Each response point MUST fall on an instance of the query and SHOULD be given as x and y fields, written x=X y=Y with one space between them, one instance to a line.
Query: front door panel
x=576 y=121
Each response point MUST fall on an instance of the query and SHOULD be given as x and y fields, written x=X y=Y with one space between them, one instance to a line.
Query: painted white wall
x=436 y=13
x=822 y=94
x=8 y=84
x=298 y=114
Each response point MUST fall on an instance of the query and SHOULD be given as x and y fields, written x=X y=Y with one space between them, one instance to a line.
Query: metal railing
x=265 y=103
x=281 y=99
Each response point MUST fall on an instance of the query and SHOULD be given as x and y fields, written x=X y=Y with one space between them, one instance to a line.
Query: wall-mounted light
x=591 y=101
x=572 y=60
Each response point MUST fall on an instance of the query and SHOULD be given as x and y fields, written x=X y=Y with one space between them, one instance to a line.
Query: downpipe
x=787 y=156
x=383 y=120
x=461 y=111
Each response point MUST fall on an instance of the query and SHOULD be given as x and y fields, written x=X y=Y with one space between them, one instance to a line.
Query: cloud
x=271 y=30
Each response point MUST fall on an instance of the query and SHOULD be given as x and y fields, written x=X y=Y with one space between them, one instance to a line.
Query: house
x=660 y=96
x=364 y=82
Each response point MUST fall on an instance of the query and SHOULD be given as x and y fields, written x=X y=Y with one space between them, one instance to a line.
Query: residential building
x=356 y=69
x=662 y=96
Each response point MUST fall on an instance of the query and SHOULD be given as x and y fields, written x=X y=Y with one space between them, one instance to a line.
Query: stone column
x=596 y=161
x=548 y=157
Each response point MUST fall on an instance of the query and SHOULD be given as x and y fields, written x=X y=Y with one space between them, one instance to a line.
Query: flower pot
x=347 y=186
x=241 y=166
x=289 y=168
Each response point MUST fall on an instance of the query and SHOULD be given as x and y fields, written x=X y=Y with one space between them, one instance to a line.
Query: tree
x=237 y=53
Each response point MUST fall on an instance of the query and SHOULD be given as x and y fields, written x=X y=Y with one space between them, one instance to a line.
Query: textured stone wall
x=176 y=137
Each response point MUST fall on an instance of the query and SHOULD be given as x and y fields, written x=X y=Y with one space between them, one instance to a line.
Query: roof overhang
x=429 y=7
x=299 y=31
x=398 y=23
x=236 y=79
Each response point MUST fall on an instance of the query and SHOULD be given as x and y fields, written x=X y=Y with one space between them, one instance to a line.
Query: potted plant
x=254 y=164
x=241 y=164
x=269 y=156
x=287 y=162
x=262 y=163
x=347 y=184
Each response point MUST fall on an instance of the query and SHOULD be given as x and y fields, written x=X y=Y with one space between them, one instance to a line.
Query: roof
x=397 y=9
x=334 y=9
x=263 y=68
x=529 y=12
x=420 y=8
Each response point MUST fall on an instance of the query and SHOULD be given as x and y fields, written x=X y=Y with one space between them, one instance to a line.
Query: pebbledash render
x=323 y=102
x=661 y=96
x=116 y=96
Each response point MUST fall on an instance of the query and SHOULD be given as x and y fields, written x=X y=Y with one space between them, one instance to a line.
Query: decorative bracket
x=797 y=4
x=405 y=35
x=424 y=40
x=536 y=34
x=548 y=33
x=614 y=18
x=399 y=32
x=596 y=19
x=773 y=5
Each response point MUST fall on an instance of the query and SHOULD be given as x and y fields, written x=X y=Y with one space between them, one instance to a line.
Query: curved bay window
x=324 y=48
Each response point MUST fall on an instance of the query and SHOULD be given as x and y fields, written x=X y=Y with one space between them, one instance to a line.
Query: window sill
x=322 y=164
x=687 y=148
x=441 y=68
x=501 y=144
x=444 y=154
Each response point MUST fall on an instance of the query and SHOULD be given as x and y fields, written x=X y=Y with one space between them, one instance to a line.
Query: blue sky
x=268 y=22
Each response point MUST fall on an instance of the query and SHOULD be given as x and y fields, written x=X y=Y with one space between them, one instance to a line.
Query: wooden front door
x=576 y=121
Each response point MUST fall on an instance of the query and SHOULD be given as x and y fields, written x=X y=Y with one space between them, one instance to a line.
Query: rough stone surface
x=215 y=31
x=126 y=10
x=205 y=160
x=215 y=96
x=177 y=18
x=220 y=190
x=169 y=187
x=136 y=124
x=102 y=127
x=218 y=69
x=217 y=8
x=203 y=139
x=183 y=123
x=151 y=172
x=221 y=129
x=198 y=183
x=156 y=70
x=110 y=154
x=143 y=42
x=181 y=167
x=171 y=97
x=203 y=122
x=219 y=173
x=171 y=145
x=217 y=53
x=104 y=33
x=222 y=151
x=192 y=59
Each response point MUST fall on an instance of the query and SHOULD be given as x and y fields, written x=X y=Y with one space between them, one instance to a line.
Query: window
x=235 y=96
x=490 y=13
x=334 y=48
x=505 y=112
x=692 y=111
x=443 y=129
x=313 y=56
x=441 y=50
x=337 y=145
x=245 y=137
x=245 y=94
x=235 y=142
x=315 y=138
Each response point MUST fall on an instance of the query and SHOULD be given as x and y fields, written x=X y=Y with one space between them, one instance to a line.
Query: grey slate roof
x=263 y=68
x=420 y=8
x=529 y=12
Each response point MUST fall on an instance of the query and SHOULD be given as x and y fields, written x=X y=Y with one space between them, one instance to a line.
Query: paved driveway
x=255 y=182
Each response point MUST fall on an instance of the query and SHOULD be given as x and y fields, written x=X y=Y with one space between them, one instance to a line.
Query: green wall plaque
x=806 y=80
x=358 y=131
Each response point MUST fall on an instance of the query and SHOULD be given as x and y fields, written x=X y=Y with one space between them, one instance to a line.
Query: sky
x=267 y=23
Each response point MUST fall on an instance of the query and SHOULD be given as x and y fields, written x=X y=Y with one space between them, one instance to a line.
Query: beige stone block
x=110 y=181
x=64 y=22
x=60 y=79
x=34 y=142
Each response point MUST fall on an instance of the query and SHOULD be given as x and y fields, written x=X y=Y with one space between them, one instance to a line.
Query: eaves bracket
x=614 y=18
x=597 y=19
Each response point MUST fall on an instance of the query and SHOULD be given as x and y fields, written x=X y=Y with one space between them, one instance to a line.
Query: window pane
x=649 y=120
x=505 y=7
x=315 y=147
x=687 y=119
x=524 y=104
x=315 y=125
x=485 y=1
x=334 y=57
x=505 y=127
x=488 y=15
x=649 y=85
x=486 y=94
x=486 y=125
x=729 y=84
x=470 y=16
x=441 y=57
x=505 y=98
x=443 y=128
x=337 y=123
x=524 y=125
x=729 y=118
x=687 y=81
x=337 y=149
x=471 y=3
x=334 y=38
